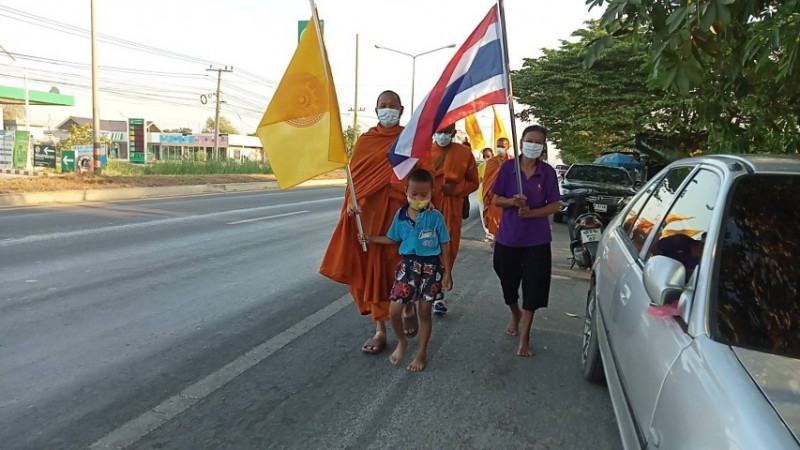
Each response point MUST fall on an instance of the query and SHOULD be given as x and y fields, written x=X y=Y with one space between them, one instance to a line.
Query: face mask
x=419 y=205
x=443 y=139
x=501 y=151
x=389 y=117
x=532 y=150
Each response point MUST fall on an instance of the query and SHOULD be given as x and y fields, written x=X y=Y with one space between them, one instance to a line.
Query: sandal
x=374 y=345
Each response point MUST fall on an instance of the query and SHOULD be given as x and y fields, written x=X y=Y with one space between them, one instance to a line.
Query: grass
x=185 y=167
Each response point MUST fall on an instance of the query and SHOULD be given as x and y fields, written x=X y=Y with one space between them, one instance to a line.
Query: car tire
x=558 y=218
x=591 y=361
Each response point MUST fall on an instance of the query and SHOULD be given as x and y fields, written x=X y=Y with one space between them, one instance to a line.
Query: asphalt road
x=201 y=322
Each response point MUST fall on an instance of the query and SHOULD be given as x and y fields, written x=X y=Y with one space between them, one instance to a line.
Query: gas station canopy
x=16 y=96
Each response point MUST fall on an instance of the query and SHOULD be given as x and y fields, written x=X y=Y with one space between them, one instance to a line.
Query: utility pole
x=96 y=97
x=216 y=114
x=355 y=103
x=29 y=160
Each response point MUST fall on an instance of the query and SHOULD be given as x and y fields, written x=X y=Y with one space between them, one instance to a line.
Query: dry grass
x=73 y=181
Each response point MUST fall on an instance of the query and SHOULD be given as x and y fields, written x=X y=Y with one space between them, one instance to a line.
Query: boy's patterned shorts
x=418 y=277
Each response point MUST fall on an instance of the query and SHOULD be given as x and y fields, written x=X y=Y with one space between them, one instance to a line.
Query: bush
x=188 y=167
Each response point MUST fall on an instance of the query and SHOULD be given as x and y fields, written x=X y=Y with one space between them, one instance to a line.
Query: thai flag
x=474 y=79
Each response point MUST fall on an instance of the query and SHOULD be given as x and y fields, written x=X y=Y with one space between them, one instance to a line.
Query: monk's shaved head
x=389 y=99
x=450 y=129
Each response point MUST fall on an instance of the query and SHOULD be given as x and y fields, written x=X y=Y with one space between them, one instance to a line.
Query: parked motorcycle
x=585 y=228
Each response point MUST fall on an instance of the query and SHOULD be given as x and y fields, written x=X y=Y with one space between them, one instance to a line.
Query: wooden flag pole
x=504 y=46
x=330 y=83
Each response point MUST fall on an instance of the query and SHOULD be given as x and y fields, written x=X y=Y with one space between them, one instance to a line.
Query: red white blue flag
x=474 y=79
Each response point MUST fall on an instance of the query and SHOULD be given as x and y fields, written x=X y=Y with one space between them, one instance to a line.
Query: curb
x=107 y=195
x=27 y=173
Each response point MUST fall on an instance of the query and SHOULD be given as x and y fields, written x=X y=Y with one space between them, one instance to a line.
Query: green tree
x=225 y=126
x=184 y=130
x=739 y=60
x=11 y=112
x=350 y=136
x=81 y=135
x=589 y=109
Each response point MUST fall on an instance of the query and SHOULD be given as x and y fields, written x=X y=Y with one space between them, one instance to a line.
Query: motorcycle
x=585 y=228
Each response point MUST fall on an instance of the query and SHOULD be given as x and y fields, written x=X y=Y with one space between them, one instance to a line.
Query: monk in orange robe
x=370 y=275
x=491 y=212
x=455 y=177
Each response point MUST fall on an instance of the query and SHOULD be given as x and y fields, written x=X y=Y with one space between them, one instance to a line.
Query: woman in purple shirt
x=522 y=245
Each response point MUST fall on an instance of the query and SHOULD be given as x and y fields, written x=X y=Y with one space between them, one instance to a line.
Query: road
x=201 y=322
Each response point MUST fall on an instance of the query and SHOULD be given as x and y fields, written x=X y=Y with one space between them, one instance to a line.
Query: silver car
x=693 y=312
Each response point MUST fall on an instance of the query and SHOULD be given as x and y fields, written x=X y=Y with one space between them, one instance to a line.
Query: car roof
x=773 y=164
x=597 y=165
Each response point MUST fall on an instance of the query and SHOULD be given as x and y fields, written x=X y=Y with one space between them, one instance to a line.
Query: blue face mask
x=443 y=139
x=389 y=117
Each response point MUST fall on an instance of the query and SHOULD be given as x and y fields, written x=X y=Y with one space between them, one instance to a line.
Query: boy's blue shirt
x=423 y=238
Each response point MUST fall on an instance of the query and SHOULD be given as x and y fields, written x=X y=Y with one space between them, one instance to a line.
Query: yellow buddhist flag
x=301 y=130
x=499 y=127
x=474 y=132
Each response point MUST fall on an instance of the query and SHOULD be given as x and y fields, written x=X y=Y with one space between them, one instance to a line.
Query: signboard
x=44 y=156
x=21 y=141
x=174 y=138
x=302 y=24
x=84 y=156
x=136 y=141
x=6 y=149
x=67 y=161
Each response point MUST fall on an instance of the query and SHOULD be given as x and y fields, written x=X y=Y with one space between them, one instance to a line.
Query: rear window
x=599 y=174
x=758 y=280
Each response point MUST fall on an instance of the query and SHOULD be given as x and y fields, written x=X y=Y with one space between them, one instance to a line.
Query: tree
x=184 y=130
x=350 y=136
x=739 y=61
x=11 y=112
x=587 y=110
x=225 y=126
x=81 y=135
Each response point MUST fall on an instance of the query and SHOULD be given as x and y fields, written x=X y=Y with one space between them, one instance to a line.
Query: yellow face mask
x=419 y=205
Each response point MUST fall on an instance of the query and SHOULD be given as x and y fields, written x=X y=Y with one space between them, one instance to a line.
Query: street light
x=413 y=64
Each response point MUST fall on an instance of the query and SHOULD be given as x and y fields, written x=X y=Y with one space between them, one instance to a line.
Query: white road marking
x=267 y=217
x=139 y=427
x=168 y=221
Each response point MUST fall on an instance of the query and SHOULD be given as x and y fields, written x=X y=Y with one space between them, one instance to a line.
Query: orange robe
x=491 y=213
x=369 y=275
x=456 y=164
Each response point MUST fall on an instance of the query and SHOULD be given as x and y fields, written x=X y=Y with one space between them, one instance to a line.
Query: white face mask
x=443 y=139
x=532 y=150
x=389 y=117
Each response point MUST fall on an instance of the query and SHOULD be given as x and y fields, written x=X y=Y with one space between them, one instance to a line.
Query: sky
x=257 y=38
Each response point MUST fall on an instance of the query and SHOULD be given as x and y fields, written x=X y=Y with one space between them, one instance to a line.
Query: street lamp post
x=413 y=64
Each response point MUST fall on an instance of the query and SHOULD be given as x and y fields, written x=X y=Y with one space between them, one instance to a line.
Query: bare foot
x=418 y=364
x=524 y=350
x=513 y=325
x=397 y=355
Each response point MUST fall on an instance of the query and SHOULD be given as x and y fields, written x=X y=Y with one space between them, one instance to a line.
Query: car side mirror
x=664 y=279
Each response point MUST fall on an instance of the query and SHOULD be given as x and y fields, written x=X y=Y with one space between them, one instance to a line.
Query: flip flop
x=378 y=345
x=411 y=323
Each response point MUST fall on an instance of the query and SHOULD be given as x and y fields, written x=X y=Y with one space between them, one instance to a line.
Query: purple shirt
x=541 y=189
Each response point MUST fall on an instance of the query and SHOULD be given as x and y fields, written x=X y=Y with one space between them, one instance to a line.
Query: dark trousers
x=530 y=267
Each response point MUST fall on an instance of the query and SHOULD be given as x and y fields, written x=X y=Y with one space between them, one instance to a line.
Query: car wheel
x=591 y=361
x=558 y=218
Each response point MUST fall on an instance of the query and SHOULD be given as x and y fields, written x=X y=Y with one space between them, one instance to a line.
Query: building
x=115 y=130
x=176 y=146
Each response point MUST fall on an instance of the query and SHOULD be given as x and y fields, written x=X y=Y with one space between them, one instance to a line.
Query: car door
x=647 y=345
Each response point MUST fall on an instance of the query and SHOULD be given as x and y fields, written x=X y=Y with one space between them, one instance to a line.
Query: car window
x=599 y=174
x=681 y=235
x=654 y=208
x=758 y=280
x=633 y=212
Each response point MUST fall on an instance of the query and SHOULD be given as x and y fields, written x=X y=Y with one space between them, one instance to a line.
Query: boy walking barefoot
x=424 y=272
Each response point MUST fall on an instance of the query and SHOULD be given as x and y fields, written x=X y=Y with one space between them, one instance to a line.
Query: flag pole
x=507 y=72
x=350 y=184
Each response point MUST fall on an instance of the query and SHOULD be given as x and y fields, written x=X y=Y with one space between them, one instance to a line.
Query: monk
x=456 y=176
x=370 y=275
x=491 y=212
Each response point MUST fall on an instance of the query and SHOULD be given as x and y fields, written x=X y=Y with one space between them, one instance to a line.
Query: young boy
x=424 y=272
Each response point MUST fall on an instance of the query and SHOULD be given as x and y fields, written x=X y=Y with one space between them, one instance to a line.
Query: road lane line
x=130 y=432
x=268 y=217
x=168 y=221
